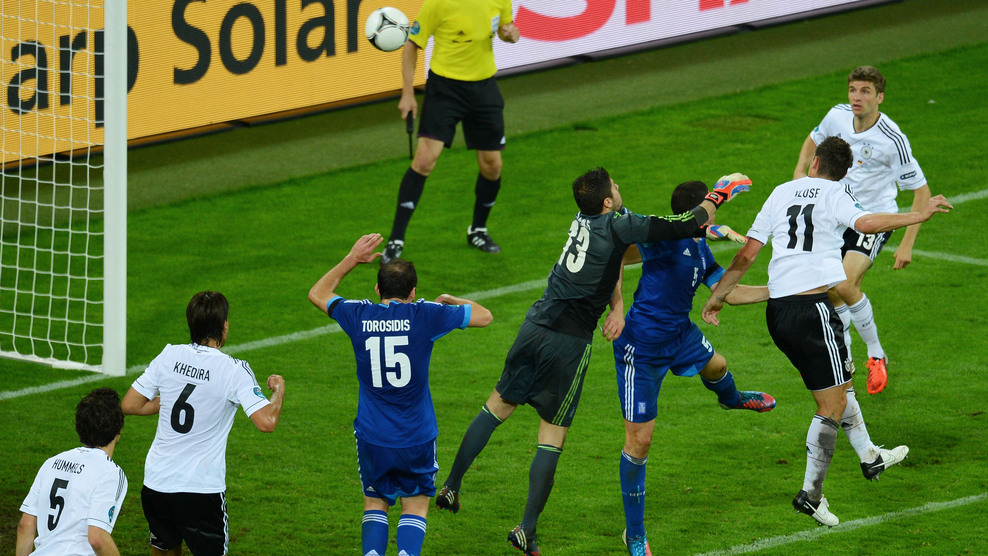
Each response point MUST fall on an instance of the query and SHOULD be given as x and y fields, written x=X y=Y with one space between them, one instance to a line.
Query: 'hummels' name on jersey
x=67 y=466
x=397 y=325
x=190 y=371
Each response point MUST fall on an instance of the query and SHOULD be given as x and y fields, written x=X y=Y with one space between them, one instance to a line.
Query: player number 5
x=57 y=502
x=392 y=359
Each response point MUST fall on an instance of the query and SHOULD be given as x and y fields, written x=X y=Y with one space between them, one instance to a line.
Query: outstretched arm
x=361 y=252
x=904 y=253
x=743 y=260
x=886 y=222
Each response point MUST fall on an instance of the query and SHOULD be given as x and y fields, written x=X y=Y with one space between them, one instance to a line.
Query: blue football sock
x=411 y=533
x=726 y=390
x=374 y=532
x=633 y=493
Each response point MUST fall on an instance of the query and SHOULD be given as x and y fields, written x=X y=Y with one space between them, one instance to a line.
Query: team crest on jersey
x=866 y=152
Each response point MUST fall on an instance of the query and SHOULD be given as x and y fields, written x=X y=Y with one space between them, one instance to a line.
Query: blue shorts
x=640 y=370
x=392 y=473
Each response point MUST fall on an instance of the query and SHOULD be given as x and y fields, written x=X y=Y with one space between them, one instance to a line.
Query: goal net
x=63 y=194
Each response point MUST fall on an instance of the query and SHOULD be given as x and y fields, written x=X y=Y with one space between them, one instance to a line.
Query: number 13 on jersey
x=574 y=261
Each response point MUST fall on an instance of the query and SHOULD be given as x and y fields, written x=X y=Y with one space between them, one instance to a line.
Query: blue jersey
x=671 y=273
x=393 y=345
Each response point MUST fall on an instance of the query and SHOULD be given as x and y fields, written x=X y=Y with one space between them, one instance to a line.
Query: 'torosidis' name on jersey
x=399 y=325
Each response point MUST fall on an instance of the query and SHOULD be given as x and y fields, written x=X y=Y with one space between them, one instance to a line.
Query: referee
x=460 y=87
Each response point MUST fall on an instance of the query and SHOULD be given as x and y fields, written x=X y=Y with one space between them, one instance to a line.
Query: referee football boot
x=392 y=250
x=885 y=459
x=637 y=546
x=520 y=540
x=878 y=375
x=479 y=238
x=448 y=499
x=755 y=401
x=817 y=510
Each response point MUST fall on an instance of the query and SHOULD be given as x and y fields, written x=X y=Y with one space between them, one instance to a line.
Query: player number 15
x=392 y=359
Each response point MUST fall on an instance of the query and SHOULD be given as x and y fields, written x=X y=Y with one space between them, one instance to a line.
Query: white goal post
x=63 y=195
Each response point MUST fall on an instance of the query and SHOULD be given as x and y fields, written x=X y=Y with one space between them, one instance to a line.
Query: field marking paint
x=476 y=296
x=811 y=534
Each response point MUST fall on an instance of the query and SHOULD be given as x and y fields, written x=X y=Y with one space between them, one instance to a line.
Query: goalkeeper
x=658 y=336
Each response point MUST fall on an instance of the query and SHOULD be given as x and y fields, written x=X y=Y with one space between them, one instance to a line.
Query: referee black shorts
x=545 y=369
x=478 y=104
x=869 y=245
x=198 y=519
x=807 y=329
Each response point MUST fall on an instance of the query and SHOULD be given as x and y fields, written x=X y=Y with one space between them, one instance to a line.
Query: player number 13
x=392 y=360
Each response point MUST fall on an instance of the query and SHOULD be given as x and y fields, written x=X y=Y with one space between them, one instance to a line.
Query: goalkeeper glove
x=717 y=232
x=727 y=187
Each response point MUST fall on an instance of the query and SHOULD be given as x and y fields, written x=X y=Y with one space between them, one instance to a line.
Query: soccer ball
x=387 y=29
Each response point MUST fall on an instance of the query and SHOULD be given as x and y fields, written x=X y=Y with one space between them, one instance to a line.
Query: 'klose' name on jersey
x=399 y=325
x=190 y=371
x=67 y=466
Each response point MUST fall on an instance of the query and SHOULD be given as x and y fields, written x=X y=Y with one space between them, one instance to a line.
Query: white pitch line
x=477 y=296
x=810 y=534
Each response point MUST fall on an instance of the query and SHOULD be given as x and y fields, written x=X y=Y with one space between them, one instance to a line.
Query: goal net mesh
x=52 y=203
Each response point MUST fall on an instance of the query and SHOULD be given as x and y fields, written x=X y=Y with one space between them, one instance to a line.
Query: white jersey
x=200 y=389
x=883 y=161
x=72 y=491
x=806 y=219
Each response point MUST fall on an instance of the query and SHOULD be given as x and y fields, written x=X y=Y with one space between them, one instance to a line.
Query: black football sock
x=409 y=193
x=486 y=192
x=474 y=441
x=540 y=478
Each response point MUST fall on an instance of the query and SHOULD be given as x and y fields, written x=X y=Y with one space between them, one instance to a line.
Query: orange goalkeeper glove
x=727 y=187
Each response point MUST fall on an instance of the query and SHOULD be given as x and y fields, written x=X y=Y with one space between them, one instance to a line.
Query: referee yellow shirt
x=464 y=31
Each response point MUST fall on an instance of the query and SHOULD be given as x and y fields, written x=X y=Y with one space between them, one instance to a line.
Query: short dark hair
x=869 y=74
x=688 y=195
x=206 y=313
x=835 y=158
x=591 y=189
x=99 y=418
x=396 y=279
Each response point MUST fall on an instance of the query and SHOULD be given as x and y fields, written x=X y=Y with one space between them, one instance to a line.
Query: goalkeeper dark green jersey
x=583 y=279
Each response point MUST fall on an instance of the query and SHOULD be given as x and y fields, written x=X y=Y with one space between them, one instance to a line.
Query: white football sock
x=864 y=321
x=857 y=433
x=821 y=439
